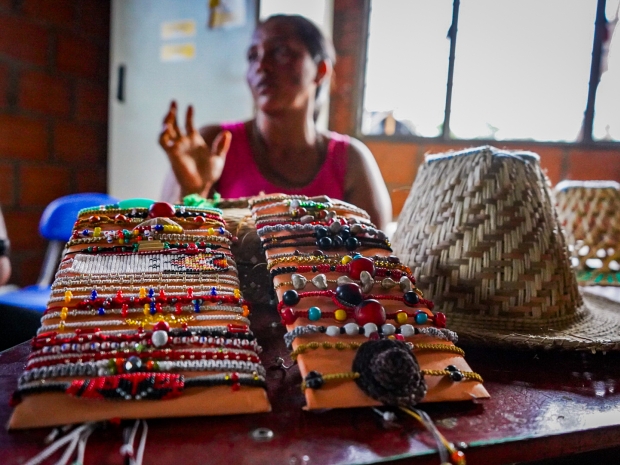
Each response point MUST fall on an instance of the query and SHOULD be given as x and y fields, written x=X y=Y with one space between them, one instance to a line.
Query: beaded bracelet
x=308 y=204
x=366 y=282
x=94 y=220
x=349 y=245
x=161 y=237
x=62 y=325
x=134 y=364
x=387 y=329
x=303 y=348
x=125 y=312
x=289 y=316
x=143 y=212
x=355 y=261
x=139 y=386
x=315 y=380
x=177 y=336
x=148 y=298
x=155 y=353
x=351 y=295
x=166 y=247
x=155 y=339
x=129 y=281
x=59 y=293
x=334 y=230
x=141 y=232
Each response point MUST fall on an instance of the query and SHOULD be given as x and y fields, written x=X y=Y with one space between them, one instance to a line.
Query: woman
x=280 y=149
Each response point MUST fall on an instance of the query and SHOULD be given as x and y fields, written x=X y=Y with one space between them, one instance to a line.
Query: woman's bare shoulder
x=210 y=131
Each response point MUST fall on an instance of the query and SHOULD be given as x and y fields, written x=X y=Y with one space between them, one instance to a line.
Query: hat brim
x=596 y=327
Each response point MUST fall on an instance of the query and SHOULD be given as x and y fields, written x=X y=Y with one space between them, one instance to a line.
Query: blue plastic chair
x=56 y=225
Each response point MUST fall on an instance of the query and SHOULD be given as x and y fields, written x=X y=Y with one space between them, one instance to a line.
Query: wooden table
x=542 y=405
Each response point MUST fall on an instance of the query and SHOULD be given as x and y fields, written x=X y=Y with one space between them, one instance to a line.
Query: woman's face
x=281 y=73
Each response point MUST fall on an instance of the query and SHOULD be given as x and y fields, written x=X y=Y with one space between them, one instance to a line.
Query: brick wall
x=53 y=113
x=398 y=160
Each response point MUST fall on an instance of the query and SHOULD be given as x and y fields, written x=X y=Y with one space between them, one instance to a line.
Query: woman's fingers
x=221 y=144
x=175 y=126
x=189 y=121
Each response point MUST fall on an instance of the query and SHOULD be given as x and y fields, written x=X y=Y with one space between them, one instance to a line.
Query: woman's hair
x=318 y=45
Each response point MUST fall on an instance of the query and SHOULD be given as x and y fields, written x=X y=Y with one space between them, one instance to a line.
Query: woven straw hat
x=480 y=232
x=589 y=212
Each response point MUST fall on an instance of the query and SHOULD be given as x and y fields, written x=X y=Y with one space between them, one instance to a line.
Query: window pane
x=522 y=69
x=407 y=66
x=607 y=108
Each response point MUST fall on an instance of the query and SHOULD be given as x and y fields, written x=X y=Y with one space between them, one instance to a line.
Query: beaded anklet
x=303 y=348
x=315 y=380
x=353 y=329
x=139 y=386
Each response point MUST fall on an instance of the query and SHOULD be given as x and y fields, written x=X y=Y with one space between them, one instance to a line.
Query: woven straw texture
x=589 y=212
x=481 y=234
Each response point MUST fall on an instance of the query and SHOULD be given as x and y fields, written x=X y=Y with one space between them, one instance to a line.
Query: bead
x=299 y=281
x=351 y=329
x=135 y=203
x=337 y=242
x=346 y=259
x=290 y=297
x=361 y=264
x=321 y=231
x=349 y=294
x=320 y=281
x=401 y=317
x=161 y=326
x=351 y=243
x=314 y=313
x=407 y=330
x=411 y=298
x=340 y=315
x=440 y=320
x=388 y=329
x=325 y=243
x=370 y=311
x=314 y=380
x=159 y=338
x=335 y=227
x=421 y=318
x=457 y=457
x=456 y=376
x=452 y=368
x=132 y=364
x=161 y=209
x=333 y=330
x=405 y=284
x=370 y=328
x=288 y=316
x=68 y=296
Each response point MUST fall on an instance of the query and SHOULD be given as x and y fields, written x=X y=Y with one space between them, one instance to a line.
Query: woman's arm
x=5 y=263
x=364 y=185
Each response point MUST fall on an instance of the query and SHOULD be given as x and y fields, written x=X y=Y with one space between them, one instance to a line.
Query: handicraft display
x=358 y=327
x=145 y=306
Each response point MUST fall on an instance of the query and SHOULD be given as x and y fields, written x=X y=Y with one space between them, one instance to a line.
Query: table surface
x=542 y=405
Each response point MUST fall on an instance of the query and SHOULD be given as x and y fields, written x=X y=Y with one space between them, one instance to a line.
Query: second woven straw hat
x=480 y=232
x=589 y=212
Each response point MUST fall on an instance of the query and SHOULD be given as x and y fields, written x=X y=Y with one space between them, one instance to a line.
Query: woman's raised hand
x=196 y=165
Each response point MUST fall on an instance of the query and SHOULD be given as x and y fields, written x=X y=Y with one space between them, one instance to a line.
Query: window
x=509 y=70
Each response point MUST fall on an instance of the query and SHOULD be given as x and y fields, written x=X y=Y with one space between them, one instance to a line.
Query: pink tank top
x=241 y=177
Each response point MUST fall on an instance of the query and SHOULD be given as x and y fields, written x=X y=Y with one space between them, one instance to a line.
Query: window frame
x=586 y=140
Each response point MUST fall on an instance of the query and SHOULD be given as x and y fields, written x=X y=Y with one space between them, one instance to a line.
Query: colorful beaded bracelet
x=387 y=329
x=138 y=386
x=133 y=364
x=303 y=348
x=351 y=295
x=289 y=316
x=96 y=336
x=155 y=353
